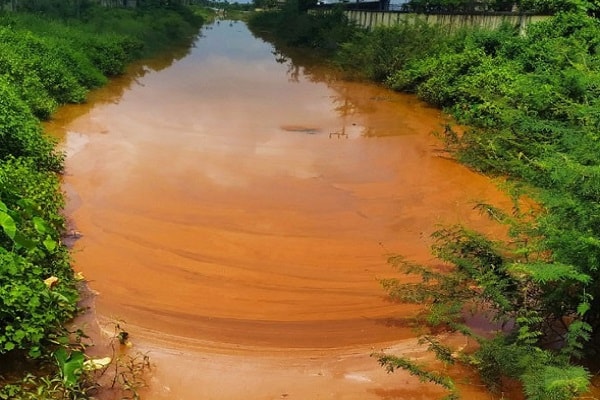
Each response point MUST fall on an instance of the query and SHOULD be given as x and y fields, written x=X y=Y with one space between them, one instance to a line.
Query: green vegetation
x=535 y=6
x=294 y=27
x=46 y=62
x=531 y=104
x=227 y=6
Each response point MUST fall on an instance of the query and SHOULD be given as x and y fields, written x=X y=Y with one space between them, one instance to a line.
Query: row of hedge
x=46 y=62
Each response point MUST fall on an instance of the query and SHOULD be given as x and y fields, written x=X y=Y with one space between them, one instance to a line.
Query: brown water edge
x=238 y=218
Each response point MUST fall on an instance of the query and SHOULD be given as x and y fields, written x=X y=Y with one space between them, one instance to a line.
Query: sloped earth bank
x=236 y=211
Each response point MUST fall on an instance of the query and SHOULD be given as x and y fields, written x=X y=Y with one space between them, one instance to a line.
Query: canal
x=236 y=208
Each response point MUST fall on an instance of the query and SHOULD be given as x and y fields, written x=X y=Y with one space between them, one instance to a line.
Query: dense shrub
x=20 y=133
x=44 y=63
x=537 y=6
x=379 y=53
x=30 y=252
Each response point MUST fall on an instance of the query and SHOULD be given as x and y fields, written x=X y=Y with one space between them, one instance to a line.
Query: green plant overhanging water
x=45 y=62
x=80 y=377
x=509 y=286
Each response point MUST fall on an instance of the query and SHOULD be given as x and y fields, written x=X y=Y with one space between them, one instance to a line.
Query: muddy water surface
x=237 y=211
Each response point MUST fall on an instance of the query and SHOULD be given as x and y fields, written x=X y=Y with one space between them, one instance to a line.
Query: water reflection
x=112 y=93
x=355 y=101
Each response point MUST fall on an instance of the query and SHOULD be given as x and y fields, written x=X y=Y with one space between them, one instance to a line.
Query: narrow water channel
x=237 y=209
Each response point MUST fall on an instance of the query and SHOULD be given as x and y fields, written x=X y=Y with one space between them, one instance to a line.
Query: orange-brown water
x=237 y=213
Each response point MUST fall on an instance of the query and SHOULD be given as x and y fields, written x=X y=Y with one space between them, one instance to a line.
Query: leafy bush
x=516 y=288
x=56 y=8
x=30 y=253
x=45 y=63
x=20 y=133
x=538 y=6
x=383 y=51
x=29 y=308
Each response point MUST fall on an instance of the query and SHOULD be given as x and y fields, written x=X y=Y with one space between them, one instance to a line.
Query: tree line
x=78 y=7
x=474 y=6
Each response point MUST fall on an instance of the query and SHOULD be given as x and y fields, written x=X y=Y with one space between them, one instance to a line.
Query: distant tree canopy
x=76 y=8
x=306 y=4
x=265 y=4
x=433 y=6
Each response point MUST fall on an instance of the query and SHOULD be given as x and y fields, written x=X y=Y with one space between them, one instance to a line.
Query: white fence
x=371 y=19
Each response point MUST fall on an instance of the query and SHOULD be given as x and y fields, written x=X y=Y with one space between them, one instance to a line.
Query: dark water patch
x=300 y=129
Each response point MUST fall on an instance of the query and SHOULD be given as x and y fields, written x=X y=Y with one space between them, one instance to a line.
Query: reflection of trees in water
x=167 y=59
x=293 y=69
x=351 y=99
x=113 y=91
x=345 y=108
x=138 y=69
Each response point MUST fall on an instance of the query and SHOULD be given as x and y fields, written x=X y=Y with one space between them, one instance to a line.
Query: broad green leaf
x=19 y=335
x=8 y=224
x=61 y=356
x=49 y=243
x=71 y=365
x=22 y=241
x=35 y=352
x=73 y=368
x=40 y=225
